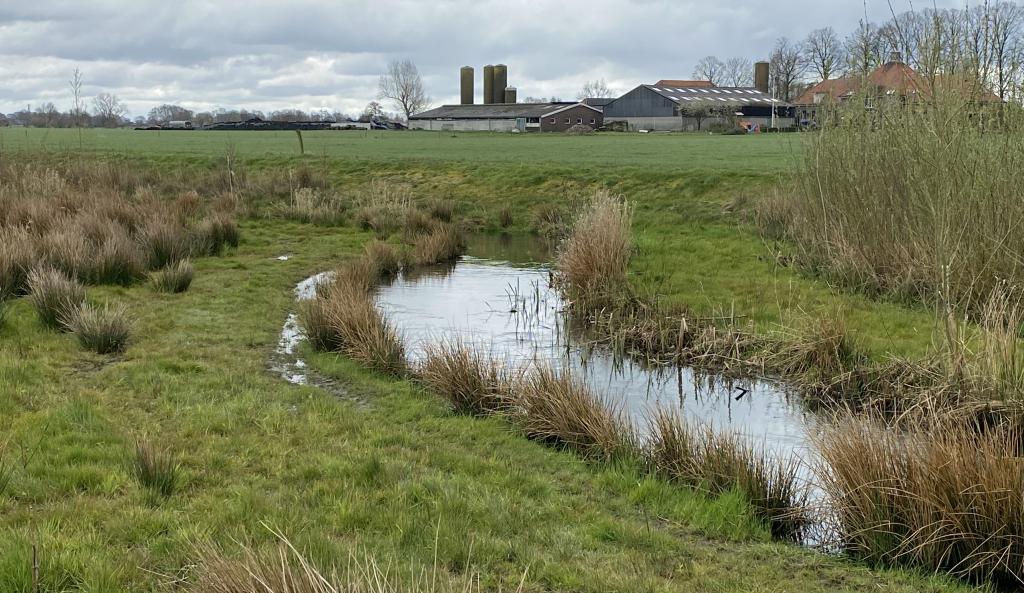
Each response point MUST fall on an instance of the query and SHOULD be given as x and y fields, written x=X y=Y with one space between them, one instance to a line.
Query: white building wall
x=463 y=125
x=689 y=124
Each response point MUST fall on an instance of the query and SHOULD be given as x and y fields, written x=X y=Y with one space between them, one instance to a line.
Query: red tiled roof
x=685 y=84
x=896 y=77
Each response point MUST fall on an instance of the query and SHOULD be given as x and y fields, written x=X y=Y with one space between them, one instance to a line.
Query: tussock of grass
x=551 y=221
x=441 y=209
x=174 y=278
x=55 y=296
x=318 y=207
x=16 y=259
x=593 y=260
x=944 y=497
x=505 y=218
x=384 y=258
x=415 y=223
x=471 y=381
x=716 y=462
x=213 y=234
x=384 y=208
x=154 y=469
x=343 y=318
x=443 y=244
x=118 y=261
x=163 y=242
x=554 y=407
x=104 y=330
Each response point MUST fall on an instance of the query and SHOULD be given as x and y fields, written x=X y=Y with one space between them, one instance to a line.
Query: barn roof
x=498 y=110
x=693 y=84
x=736 y=96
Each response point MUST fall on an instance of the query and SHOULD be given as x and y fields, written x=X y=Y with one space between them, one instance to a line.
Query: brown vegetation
x=104 y=330
x=55 y=296
x=174 y=278
x=471 y=381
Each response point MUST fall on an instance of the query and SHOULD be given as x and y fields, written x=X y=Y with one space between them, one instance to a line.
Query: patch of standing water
x=509 y=311
x=285 y=360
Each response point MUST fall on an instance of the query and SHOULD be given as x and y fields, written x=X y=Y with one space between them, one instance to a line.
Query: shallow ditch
x=498 y=299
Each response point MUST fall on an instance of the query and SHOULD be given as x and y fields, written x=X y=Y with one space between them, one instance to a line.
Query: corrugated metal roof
x=492 y=111
x=737 y=96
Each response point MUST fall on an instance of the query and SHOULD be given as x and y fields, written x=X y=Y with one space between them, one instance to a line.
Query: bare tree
x=864 y=49
x=738 y=72
x=402 y=85
x=76 y=82
x=1007 y=46
x=709 y=68
x=165 y=113
x=594 y=89
x=787 y=66
x=109 y=110
x=824 y=53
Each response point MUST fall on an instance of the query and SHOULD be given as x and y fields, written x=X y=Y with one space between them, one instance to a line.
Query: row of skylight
x=724 y=99
x=708 y=91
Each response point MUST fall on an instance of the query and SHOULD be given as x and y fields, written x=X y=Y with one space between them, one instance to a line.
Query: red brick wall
x=570 y=117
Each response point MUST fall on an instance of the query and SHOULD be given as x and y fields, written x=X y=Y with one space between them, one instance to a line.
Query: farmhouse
x=894 y=79
x=505 y=117
x=690 y=105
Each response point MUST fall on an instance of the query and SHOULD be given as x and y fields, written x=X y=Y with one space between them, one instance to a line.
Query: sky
x=328 y=54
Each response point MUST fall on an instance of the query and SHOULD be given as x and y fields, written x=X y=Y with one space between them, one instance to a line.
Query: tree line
x=981 y=44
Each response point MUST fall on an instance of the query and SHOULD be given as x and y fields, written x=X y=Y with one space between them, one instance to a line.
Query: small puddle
x=285 y=361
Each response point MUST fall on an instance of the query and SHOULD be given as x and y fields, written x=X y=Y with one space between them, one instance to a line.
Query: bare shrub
x=174 y=278
x=54 y=295
x=104 y=330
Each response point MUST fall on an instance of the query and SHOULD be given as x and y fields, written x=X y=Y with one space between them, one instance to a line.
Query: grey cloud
x=267 y=54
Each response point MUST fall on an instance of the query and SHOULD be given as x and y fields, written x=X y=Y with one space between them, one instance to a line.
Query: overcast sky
x=313 y=54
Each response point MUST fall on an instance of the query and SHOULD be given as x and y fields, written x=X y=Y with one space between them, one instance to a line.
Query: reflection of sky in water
x=512 y=314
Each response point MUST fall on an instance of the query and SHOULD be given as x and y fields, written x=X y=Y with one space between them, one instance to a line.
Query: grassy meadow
x=373 y=463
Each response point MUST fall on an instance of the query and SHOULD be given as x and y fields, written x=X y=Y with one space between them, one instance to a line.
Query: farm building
x=676 y=108
x=505 y=117
x=691 y=105
x=893 y=79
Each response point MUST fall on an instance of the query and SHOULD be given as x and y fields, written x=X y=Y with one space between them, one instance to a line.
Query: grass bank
x=398 y=475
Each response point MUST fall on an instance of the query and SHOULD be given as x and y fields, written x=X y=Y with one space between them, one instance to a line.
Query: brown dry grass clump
x=472 y=382
x=593 y=259
x=554 y=407
x=17 y=258
x=55 y=296
x=318 y=207
x=443 y=244
x=343 y=318
x=944 y=496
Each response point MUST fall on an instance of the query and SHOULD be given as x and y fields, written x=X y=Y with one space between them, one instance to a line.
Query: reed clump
x=55 y=296
x=944 y=496
x=174 y=278
x=928 y=210
x=474 y=383
x=593 y=259
x=17 y=258
x=104 y=330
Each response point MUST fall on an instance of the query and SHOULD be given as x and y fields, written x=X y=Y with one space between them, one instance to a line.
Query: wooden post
x=35 y=569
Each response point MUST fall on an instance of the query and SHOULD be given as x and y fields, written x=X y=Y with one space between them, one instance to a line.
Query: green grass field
x=381 y=465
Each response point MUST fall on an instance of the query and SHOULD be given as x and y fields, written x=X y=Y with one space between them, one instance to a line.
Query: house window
x=533 y=120
x=579 y=120
x=593 y=121
x=553 y=120
x=568 y=120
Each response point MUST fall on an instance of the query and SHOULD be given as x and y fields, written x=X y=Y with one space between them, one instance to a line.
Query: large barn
x=506 y=117
x=685 y=108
